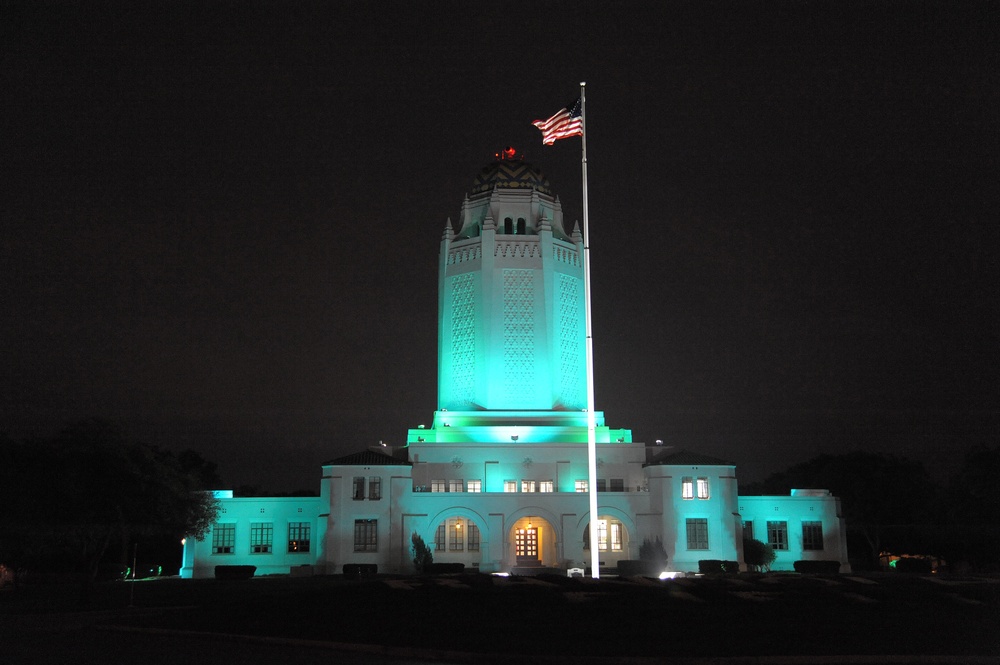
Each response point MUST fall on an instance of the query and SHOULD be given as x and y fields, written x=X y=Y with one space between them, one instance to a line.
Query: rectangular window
x=261 y=537
x=617 y=485
x=703 y=488
x=812 y=535
x=359 y=488
x=439 y=486
x=224 y=539
x=581 y=486
x=697 y=534
x=528 y=486
x=456 y=539
x=473 y=537
x=546 y=486
x=602 y=484
x=616 y=537
x=298 y=536
x=602 y=534
x=374 y=488
x=510 y=486
x=748 y=530
x=474 y=486
x=687 y=487
x=366 y=535
x=456 y=485
x=439 y=536
x=777 y=535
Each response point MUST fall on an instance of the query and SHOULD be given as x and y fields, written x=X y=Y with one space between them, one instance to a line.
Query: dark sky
x=221 y=221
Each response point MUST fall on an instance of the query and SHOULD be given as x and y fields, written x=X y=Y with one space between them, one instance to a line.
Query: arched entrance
x=533 y=543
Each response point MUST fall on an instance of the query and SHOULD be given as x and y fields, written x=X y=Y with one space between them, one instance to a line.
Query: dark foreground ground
x=537 y=619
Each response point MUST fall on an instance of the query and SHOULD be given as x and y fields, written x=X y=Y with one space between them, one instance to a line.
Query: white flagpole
x=595 y=564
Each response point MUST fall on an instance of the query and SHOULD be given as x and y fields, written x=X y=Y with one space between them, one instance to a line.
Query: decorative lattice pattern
x=518 y=335
x=566 y=255
x=524 y=249
x=465 y=254
x=571 y=379
x=463 y=337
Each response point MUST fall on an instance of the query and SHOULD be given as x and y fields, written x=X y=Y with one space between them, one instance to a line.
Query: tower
x=511 y=298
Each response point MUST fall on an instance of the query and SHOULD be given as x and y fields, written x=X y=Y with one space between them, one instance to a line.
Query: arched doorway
x=533 y=543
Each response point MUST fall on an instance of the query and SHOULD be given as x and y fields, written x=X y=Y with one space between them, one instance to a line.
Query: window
x=812 y=535
x=602 y=534
x=456 y=485
x=366 y=535
x=777 y=535
x=298 y=536
x=581 y=486
x=508 y=225
x=224 y=539
x=748 y=530
x=703 y=488
x=546 y=486
x=687 y=487
x=616 y=536
x=473 y=537
x=617 y=484
x=439 y=536
x=359 y=488
x=456 y=539
x=261 y=537
x=602 y=484
x=510 y=486
x=520 y=226
x=697 y=534
x=528 y=486
x=439 y=486
x=474 y=486
x=374 y=488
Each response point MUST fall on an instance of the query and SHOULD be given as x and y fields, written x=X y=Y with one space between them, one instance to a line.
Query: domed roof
x=510 y=172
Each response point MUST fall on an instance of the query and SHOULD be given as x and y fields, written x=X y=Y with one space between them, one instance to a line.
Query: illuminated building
x=498 y=480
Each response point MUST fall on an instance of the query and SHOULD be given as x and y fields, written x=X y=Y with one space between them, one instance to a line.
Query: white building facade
x=498 y=482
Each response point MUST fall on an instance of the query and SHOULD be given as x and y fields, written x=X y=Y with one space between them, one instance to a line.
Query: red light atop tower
x=508 y=153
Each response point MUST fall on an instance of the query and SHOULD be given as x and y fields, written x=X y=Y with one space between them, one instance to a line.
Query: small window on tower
x=521 y=226
x=508 y=226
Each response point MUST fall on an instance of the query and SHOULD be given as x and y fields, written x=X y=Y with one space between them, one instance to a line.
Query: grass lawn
x=752 y=615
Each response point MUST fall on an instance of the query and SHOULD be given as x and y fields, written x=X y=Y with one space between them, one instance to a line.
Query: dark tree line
x=892 y=503
x=71 y=501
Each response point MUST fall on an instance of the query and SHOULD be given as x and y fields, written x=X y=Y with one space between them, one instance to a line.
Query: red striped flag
x=565 y=123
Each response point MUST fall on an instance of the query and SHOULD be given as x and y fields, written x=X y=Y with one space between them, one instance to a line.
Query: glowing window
x=374 y=488
x=697 y=534
x=687 y=487
x=261 y=537
x=777 y=535
x=456 y=536
x=616 y=536
x=456 y=485
x=473 y=537
x=298 y=536
x=602 y=534
x=439 y=486
x=224 y=539
x=581 y=486
x=510 y=486
x=528 y=486
x=366 y=535
x=812 y=535
x=359 y=488
x=617 y=485
x=546 y=486
x=474 y=486
x=703 y=488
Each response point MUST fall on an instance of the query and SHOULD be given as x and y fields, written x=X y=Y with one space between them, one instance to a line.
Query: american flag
x=565 y=123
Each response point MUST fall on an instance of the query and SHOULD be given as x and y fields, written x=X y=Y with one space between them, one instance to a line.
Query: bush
x=653 y=552
x=758 y=555
x=234 y=572
x=817 y=567
x=444 y=568
x=718 y=567
x=422 y=555
x=356 y=571
x=912 y=565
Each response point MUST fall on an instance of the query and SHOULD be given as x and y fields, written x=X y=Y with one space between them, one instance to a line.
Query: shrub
x=820 y=567
x=422 y=555
x=234 y=572
x=652 y=551
x=759 y=555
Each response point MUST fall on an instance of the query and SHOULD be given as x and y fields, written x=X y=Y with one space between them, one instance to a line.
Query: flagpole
x=595 y=564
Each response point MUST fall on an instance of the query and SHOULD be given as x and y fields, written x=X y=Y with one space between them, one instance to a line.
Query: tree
x=758 y=554
x=652 y=551
x=69 y=499
x=422 y=555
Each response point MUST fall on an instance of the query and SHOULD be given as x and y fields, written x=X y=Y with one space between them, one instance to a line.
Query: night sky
x=221 y=221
